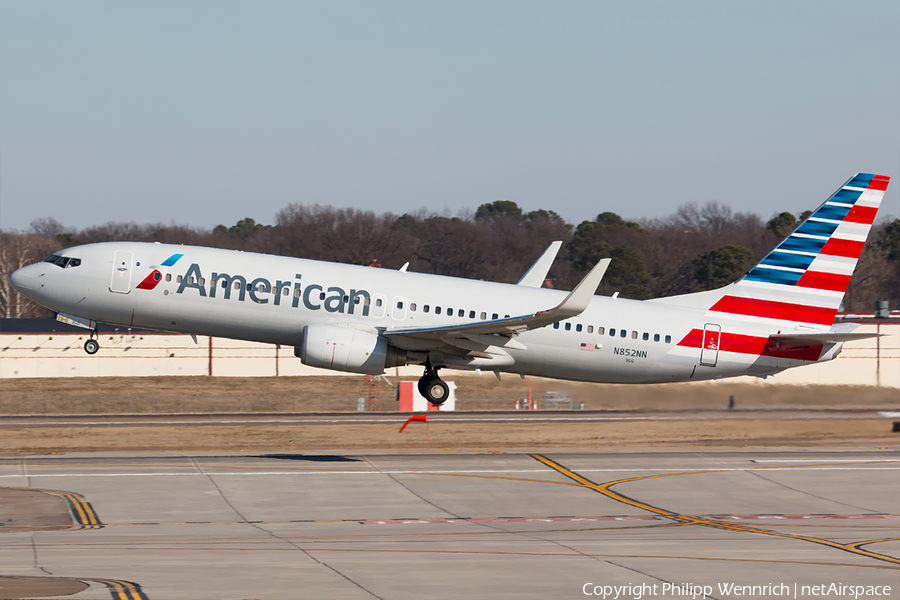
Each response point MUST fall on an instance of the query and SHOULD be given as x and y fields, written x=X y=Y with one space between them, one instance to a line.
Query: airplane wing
x=535 y=276
x=479 y=335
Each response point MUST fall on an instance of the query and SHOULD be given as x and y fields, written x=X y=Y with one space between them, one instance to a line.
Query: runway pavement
x=568 y=416
x=456 y=525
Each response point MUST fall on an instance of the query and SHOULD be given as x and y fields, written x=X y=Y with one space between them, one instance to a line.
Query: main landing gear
x=432 y=387
x=91 y=346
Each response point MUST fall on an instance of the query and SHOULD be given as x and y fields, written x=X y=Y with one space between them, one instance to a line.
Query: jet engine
x=346 y=349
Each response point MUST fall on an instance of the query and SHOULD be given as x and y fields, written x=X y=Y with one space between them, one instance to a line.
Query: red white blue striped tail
x=803 y=280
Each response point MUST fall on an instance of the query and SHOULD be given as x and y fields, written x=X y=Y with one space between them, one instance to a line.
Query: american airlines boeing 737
x=363 y=320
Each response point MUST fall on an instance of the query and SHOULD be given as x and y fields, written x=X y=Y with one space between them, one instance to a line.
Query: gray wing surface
x=475 y=336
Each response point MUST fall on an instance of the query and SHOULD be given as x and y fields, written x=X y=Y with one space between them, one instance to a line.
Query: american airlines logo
x=260 y=290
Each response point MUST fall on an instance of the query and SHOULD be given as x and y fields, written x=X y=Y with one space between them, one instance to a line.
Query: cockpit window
x=63 y=261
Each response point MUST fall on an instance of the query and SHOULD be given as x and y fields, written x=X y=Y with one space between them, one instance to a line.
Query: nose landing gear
x=432 y=387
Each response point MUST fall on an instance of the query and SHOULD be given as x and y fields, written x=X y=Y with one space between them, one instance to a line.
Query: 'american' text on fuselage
x=336 y=300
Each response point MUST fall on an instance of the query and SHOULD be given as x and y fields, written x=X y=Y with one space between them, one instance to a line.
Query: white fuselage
x=271 y=299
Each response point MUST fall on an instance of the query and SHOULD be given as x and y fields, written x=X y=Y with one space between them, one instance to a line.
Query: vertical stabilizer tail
x=803 y=280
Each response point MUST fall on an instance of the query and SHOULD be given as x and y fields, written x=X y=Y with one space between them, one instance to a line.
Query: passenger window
x=578 y=327
x=412 y=306
x=634 y=335
x=378 y=302
x=237 y=284
x=646 y=336
x=169 y=277
x=622 y=333
x=286 y=290
x=590 y=329
x=178 y=279
x=612 y=332
x=157 y=276
x=505 y=316
x=426 y=308
x=461 y=313
x=321 y=295
x=202 y=281
x=191 y=280
x=655 y=337
x=668 y=339
x=367 y=301
x=556 y=325
x=483 y=316
x=494 y=316
x=355 y=299
x=471 y=314
x=568 y=327
x=296 y=292
x=399 y=305
x=437 y=310
x=345 y=299
x=601 y=330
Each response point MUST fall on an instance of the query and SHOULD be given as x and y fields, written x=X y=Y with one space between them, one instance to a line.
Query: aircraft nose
x=24 y=279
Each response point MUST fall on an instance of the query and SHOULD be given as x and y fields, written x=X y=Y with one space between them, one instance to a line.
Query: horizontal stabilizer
x=828 y=337
x=536 y=275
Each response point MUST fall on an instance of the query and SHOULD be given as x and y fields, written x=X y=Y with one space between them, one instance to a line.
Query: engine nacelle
x=347 y=349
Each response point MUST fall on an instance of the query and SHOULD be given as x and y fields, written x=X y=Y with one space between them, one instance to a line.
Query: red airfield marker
x=419 y=418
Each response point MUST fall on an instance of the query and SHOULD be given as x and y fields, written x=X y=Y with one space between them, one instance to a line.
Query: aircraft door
x=709 y=351
x=399 y=308
x=121 y=272
x=379 y=304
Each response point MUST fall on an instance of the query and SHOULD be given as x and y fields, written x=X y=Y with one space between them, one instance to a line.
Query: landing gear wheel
x=91 y=346
x=434 y=389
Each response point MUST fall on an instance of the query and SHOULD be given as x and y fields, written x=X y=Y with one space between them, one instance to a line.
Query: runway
x=452 y=525
x=218 y=419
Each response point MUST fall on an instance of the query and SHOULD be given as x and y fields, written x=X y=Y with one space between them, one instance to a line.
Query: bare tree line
x=698 y=247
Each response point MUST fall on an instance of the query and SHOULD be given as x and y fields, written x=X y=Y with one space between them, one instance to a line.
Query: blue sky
x=202 y=113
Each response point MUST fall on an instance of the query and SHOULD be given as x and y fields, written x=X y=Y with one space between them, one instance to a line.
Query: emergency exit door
x=709 y=351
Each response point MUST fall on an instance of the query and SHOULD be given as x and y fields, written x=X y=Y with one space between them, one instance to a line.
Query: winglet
x=580 y=298
x=537 y=273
